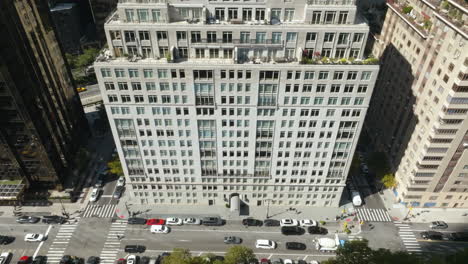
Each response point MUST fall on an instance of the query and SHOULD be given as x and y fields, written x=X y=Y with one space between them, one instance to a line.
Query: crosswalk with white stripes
x=373 y=215
x=96 y=210
x=112 y=245
x=408 y=238
x=60 y=243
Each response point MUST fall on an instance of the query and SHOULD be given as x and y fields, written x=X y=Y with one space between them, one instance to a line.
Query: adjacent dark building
x=42 y=120
x=66 y=17
x=101 y=9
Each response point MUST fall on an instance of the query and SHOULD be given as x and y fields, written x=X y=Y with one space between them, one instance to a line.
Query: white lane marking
x=183 y=240
x=42 y=242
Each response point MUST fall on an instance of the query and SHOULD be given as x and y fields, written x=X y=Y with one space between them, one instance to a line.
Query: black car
x=77 y=260
x=232 y=240
x=458 y=236
x=27 y=219
x=212 y=221
x=292 y=230
x=118 y=192
x=144 y=260
x=432 y=235
x=136 y=221
x=295 y=246
x=5 y=240
x=40 y=260
x=135 y=248
x=66 y=259
x=271 y=222
x=317 y=230
x=53 y=219
x=251 y=222
x=93 y=260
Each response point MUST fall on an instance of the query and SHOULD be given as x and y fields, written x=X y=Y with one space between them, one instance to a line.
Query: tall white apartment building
x=252 y=98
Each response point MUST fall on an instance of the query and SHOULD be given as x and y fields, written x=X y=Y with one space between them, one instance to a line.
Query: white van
x=265 y=244
x=356 y=198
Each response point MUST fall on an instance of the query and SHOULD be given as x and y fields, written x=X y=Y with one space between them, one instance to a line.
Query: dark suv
x=292 y=230
x=212 y=221
x=53 y=219
x=135 y=249
x=251 y=222
x=136 y=221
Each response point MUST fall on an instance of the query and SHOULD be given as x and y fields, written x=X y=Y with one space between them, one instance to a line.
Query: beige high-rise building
x=418 y=115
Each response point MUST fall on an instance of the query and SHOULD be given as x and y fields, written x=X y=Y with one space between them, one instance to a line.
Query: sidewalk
x=399 y=212
x=54 y=209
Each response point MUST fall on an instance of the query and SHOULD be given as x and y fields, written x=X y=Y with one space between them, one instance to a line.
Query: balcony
x=331 y=2
x=406 y=12
x=239 y=42
x=316 y=58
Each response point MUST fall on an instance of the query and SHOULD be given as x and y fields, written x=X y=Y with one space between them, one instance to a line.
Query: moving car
x=34 y=237
x=40 y=260
x=93 y=260
x=295 y=246
x=81 y=89
x=99 y=183
x=232 y=240
x=251 y=222
x=160 y=229
x=292 y=230
x=135 y=248
x=192 y=221
x=308 y=222
x=118 y=192
x=438 y=225
x=212 y=221
x=173 y=221
x=95 y=194
x=317 y=230
x=121 y=181
x=458 y=236
x=432 y=235
x=271 y=222
x=288 y=222
x=155 y=221
x=132 y=259
x=136 y=221
x=5 y=257
x=27 y=219
x=5 y=240
x=265 y=244
x=24 y=260
x=53 y=219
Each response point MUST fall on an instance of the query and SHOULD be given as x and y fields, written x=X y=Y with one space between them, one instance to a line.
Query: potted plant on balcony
x=168 y=57
x=407 y=9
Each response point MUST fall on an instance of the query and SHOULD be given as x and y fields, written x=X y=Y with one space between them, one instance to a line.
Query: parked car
x=25 y=260
x=160 y=229
x=95 y=194
x=438 y=225
x=121 y=261
x=432 y=235
x=292 y=230
x=5 y=240
x=288 y=222
x=265 y=261
x=295 y=246
x=314 y=262
x=132 y=259
x=136 y=221
x=66 y=259
x=288 y=261
x=144 y=260
x=121 y=181
x=93 y=260
x=308 y=222
x=265 y=244
x=173 y=221
x=192 y=221
x=317 y=230
x=54 y=219
x=251 y=222
x=155 y=221
x=27 y=219
x=212 y=221
x=39 y=260
x=34 y=237
x=118 y=192
x=134 y=249
x=232 y=240
x=5 y=257
x=458 y=236
x=271 y=222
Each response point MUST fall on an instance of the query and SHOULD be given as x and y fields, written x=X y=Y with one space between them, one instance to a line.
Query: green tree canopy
x=115 y=167
x=88 y=57
x=239 y=254
x=388 y=180
x=179 y=256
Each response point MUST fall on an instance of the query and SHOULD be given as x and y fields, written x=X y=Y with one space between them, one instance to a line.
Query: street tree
x=388 y=180
x=115 y=167
x=354 y=252
x=179 y=256
x=239 y=254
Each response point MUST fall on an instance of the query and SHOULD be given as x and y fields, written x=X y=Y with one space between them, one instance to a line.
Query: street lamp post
x=128 y=209
x=268 y=208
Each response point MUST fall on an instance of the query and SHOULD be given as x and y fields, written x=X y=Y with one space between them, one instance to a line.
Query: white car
x=308 y=222
x=173 y=221
x=159 y=229
x=121 y=181
x=95 y=195
x=265 y=244
x=34 y=237
x=5 y=257
x=288 y=261
x=314 y=262
x=191 y=221
x=131 y=259
x=288 y=222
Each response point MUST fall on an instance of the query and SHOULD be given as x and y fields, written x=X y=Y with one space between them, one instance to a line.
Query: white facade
x=205 y=103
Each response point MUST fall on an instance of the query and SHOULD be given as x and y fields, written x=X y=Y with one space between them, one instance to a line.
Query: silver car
x=192 y=221
x=438 y=225
x=232 y=240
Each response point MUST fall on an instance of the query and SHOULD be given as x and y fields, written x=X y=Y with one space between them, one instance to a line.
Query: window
x=144 y=35
x=129 y=14
x=362 y=88
x=195 y=36
x=112 y=98
x=343 y=17
x=109 y=86
x=276 y=37
x=259 y=14
x=335 y=88
x=311 y=36
x=146 y=52
x=105 y=72
x=203 y=74
x=125 y=98
x=291 y=36
x=162 y=73
x=318 y=100
x=340 y=53
x=123 y=86
x=115 y=35
x=352 y=75
x=276 y=13
x=247 y=14
x=354 y=53
x=183 y=53
x=156 y=15
x=133 y=73
x=345 y=100
x=148 y=73
x=232 y=13
x=211 y=36
x=268 y=75
x=143 y=15
x=245 y=37
x=289 y=53
x=288 y=14
x=316 y=17
x=181 y=35
x=228 y=53
x=348 y=88
x=227 y=37
x=330 y=17
x=139 y=99
x=214 y=53
x=150 y=86
x=323 y=75
x=358 y=37
x=338 y=75
x=358 y=100
x=161 y=35
x=219 y=14
x=129 y=36
x=309 y=75
x=366 y=75
x=199 y=53
x=260 y=37
x=343 y=38
x=136 y=86
x=329 y=37
x=119 y=73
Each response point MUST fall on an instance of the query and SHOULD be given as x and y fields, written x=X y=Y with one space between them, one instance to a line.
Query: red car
x=24 y=260
x=265 y=261
x=121 y=261
x=155 y=221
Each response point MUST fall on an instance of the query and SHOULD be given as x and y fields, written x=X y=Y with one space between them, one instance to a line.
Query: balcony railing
x=237 y=41
x=331 y=2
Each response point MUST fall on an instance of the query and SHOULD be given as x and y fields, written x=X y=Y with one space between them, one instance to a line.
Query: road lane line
x=42 y=242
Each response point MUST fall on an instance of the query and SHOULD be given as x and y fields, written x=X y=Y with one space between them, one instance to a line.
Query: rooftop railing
x=143 y=1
